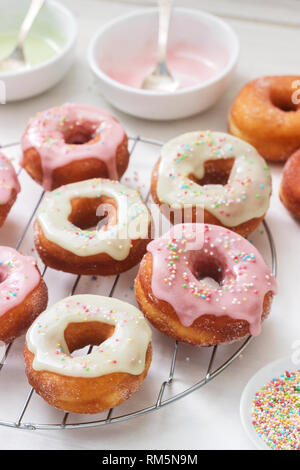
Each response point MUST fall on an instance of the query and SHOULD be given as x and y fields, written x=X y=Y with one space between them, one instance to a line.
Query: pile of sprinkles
x=276 y=412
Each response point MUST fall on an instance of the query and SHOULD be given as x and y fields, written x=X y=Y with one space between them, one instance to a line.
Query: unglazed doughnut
x=94 y=382
x=264 y=115
x=290 y=185
x=9 y=187
x=23 y=293
x=72 y=143
x=65 y=241
x=204 y=285
x=221 y=178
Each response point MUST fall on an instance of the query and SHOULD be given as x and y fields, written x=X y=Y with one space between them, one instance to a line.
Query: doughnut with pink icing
x=204 y=285
x=23 y=293
x=9 y=187
x=73 y=142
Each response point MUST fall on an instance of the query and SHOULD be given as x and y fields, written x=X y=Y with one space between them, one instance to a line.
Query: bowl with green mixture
x=49 y=48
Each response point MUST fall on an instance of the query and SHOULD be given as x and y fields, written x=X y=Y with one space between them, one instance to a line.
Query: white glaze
x=245 y=196
x=115 y=241
x=124 y=351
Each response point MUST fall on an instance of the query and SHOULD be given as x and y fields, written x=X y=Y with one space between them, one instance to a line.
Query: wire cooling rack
x=158 y=396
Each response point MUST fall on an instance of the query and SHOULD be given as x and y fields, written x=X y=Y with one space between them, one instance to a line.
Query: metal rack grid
x=159 y=401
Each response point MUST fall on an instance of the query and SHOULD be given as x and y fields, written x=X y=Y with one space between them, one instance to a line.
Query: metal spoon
x=161 y=79
x=16 y=60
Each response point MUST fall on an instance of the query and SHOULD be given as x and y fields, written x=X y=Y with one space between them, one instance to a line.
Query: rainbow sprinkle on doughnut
x=237 y=287
x=247 y=192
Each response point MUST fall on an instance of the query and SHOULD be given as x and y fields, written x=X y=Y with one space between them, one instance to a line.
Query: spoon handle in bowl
x=32 y=13
x=165 y=8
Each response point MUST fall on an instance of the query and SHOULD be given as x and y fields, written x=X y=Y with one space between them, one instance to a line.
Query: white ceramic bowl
x=129 y=35
x=53 y=19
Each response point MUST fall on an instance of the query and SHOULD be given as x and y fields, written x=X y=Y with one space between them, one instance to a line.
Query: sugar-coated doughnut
x=94 y=382
x=9 y=187
x=23 y=293
x=65 y=241
x=72 y=143
x=290 y=185
x=223 y=179
x=204 y=285
x=265 y=115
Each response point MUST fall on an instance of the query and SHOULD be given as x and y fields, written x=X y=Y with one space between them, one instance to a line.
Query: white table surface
x=209 y=418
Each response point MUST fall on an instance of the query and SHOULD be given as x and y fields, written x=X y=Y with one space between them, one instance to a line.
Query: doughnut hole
x=216 y=172
x=75 y=134
x=84 y=212
x=205 y=267
x=80 y=335
x=281 y=98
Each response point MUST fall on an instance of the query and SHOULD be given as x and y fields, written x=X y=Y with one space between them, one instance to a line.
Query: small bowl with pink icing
x=202 y=55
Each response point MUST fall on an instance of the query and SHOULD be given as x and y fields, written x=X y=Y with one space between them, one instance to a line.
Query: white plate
x=261 y=378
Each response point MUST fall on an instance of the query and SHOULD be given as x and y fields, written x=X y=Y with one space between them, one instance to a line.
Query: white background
x=209 y=418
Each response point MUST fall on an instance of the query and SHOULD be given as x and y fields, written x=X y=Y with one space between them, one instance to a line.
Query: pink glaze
x=47 y=131
x=8 y=180
x=190 y=65
x=244 y=277
x=18 y=278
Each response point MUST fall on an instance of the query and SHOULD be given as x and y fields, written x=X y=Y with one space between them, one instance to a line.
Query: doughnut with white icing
x=89 y=383
x=65 y=240
x=223 y=179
